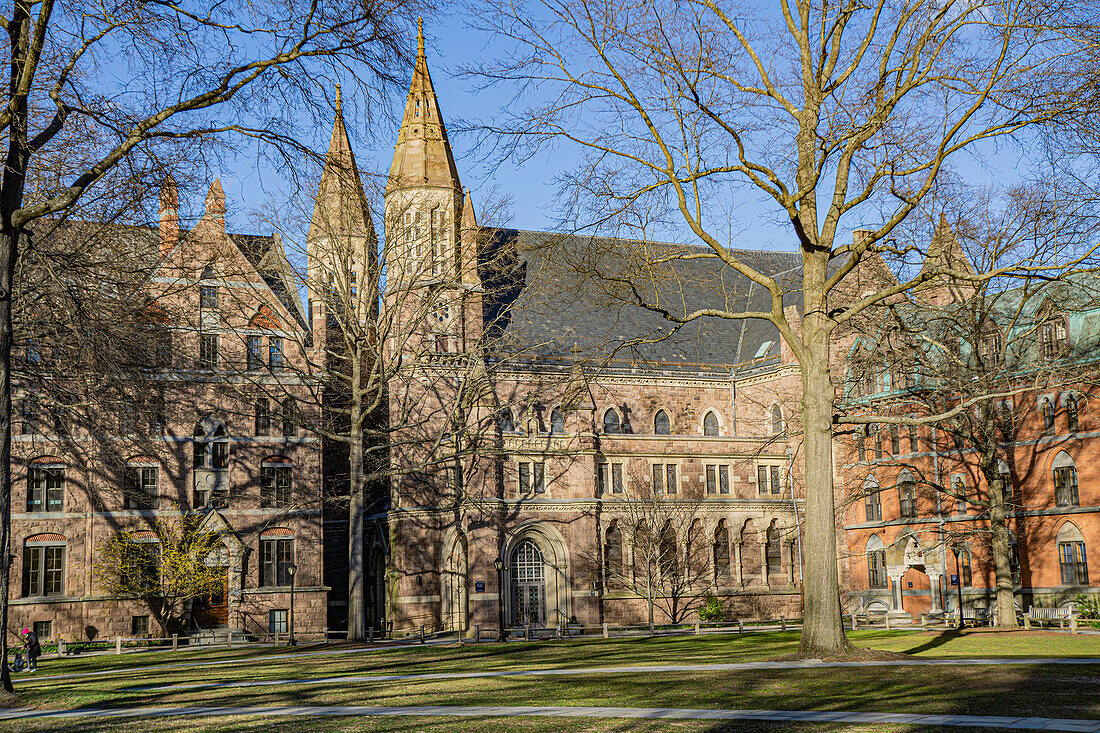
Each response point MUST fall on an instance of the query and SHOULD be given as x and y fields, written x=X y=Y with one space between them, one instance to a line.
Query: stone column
x=737 y=559
x=937 y=592
x=894 y=572
x=764 y=562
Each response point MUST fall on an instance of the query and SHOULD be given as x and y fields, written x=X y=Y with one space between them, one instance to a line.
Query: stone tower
x=341 y=246
x=430 y=250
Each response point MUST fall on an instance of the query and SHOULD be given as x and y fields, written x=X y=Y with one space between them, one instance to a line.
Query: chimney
x=169 y=216
x=215 y=204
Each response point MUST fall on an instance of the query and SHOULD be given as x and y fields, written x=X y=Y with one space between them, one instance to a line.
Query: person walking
x=33 y=649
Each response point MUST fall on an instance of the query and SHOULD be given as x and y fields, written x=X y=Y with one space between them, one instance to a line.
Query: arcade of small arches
x=537 y=568
x=616 y=421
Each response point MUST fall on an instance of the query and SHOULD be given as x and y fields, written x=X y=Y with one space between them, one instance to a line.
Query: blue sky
x=450 y=47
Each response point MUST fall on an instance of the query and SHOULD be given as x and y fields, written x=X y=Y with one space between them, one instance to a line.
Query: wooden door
x=213 y=610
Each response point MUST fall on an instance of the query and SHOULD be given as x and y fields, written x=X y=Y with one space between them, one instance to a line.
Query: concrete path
x=639 y=669
x=551 y=711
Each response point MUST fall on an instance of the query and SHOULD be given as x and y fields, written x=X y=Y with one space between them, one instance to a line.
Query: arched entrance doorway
x=528 y=585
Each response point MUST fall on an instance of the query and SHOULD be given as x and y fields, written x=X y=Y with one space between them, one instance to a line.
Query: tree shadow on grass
x=936 y=641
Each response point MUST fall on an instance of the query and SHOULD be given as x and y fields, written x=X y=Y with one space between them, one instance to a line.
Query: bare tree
x=829 y=111
x=980 y=353
x=654 y=545
x=255 y=62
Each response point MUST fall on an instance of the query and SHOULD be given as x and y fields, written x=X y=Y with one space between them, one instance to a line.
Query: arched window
x=710 y=425
x=1073 y=417
x=44 y=565
x=1072 y=555
x=669 y=564
x=661 y=424
x=966 y=573
x=613 y=556
x=1065 y=480
x=907 y=494
x=750 y=561
x=773 y=550
x=721 y=551
x=777 y=420
x=611 y=422
x=876 y=562
x=507 y=422
x=557 y=421
x=872 y=501
x=1048 y=413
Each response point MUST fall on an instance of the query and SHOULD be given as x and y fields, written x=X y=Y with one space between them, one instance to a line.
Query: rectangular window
x=275 y=555
x=895 y=440
x=164 y=351
x=610 y=478
x=43 y=568
x=712 y=479
x=46 y=489
x=291 y=418
x=664 y=478
x=762 y=479
x=876 y=569
x=219 y=455
x=912 y=430
x=208 y=351
x=29 y=414
x=276 y=621
x=208 y=297
x=777 y=484
x=658 y=478
x=671 y=483
x=1075 y=570
x=263 y=417
x=907 y=500
x=861 y=444
x=872 y=507
x=1065 y=486
x=140 y=487
x=255 y=359
x=139 y=626
x=524 y=478
x=723 y=479
x=275 y=354
x=274 y=486
x=958 y=488
x=43 y=630
x=538 y=477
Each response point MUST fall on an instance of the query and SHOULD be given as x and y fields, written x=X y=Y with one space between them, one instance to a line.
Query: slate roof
x=265 y=253
x=544 y=297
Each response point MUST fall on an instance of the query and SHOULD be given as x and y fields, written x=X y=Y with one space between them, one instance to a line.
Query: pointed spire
x=469 y=220
x=944 y=249
x=419 y=37
x=341 y=206
x=215 y=204
x=422 y=155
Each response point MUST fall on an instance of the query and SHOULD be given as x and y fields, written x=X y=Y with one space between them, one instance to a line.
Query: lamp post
x=956 y=551
x=499 y=565
x=290 y=570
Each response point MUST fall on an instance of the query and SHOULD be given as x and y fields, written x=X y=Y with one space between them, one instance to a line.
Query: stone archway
x=907 y=553
x=537 y=575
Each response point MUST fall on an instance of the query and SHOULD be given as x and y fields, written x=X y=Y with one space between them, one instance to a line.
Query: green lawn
x=1050 y=691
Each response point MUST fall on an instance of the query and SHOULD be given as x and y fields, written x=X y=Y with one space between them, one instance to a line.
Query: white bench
x=1060 y=616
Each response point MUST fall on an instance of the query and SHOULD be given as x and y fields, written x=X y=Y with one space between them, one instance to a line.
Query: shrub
x=712 y=610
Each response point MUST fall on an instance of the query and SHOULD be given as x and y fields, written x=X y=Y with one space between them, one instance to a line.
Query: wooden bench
x=1060 y=616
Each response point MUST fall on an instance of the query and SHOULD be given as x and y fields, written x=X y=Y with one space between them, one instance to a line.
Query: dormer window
x=1053 y=338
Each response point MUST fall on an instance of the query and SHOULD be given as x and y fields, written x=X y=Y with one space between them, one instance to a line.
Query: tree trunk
x=1001 y=550
x=357 y=612
x=7 y=271
x=823 y=625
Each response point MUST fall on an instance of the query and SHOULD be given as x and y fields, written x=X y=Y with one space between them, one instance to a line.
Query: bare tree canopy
x=835 y=115
x=191 y=76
